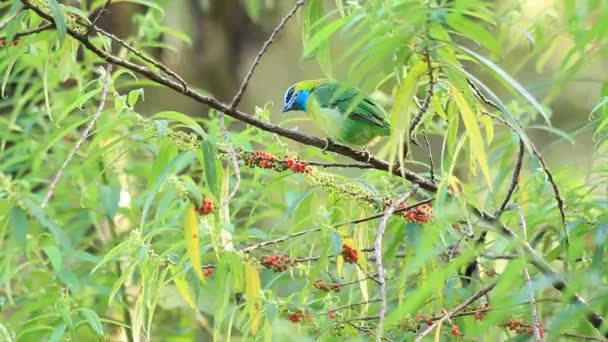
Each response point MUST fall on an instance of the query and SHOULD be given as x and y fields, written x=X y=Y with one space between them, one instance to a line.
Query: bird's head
x=296 y=96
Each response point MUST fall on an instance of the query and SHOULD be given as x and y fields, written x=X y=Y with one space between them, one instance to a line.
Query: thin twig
x=145 y=57
x=455 y=310
x=337 y=225
x=534 y=314
x=344 y=165
x=38 y=29
x=9 y=19
x=423 y=108
x=558 y=283
x=514 y=179
x=428 y=146
x=99 y=14
x=233 y=159
x=239 y=94
x=378 y=253
x=550 y=178
x=85 y=134
x=584 y=337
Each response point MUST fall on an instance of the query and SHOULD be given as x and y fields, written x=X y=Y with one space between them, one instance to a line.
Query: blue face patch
x=295 y=100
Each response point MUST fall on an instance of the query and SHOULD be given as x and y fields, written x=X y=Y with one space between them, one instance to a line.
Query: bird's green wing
x=333 y=94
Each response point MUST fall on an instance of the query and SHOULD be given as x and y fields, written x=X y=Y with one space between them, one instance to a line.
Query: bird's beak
x=286 y=108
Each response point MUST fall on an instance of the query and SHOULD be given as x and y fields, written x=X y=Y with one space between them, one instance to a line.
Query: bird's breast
x=330 y=120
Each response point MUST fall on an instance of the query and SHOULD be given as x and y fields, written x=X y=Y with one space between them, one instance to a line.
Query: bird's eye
x=288 y=94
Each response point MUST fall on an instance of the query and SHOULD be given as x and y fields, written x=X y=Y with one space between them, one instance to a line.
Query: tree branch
x=85 y=134
x=514 y=179
x=378 y=253
x=239 y=94
x=212 y=102
x=455 y=310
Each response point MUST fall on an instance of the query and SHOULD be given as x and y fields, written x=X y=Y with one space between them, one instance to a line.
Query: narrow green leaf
x=470 y=123
x=19 y=226
x=93 y=319
x=48 y=223
x=504 y=77
x=54 y=256
x=186 y=120
x=59 y=20
x=59 y=331
x=110 y=196
x=156 y=187
x=210 y=168
x=336 y=243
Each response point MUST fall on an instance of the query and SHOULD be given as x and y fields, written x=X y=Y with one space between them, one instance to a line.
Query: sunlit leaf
x=254 y=300
x=476 y=142
x=191 y=235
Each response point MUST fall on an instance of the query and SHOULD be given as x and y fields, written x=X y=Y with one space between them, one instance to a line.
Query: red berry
x=332 y=313
x=208 y=272
x=455 y=331
x=15 y=42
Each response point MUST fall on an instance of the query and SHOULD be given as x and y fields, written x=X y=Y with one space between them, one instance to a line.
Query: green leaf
x=110 y=196
x=54 y=256
x=59 y=19
x=123 y=277
x=134 y=96
x=59 y=331
x=475 y=31
x=156 y=187
x=48 y=223
x=321 y=37
x=336 y=243
x=186 y=120
x=93 y=319
x=504 y=77
x=114 y=252
x=210 y=169
x=470 y=124
x=19 y=226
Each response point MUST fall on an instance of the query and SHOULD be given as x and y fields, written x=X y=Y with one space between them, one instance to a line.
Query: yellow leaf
x=181 y=283
x=254 y=300
x=192 y=240
x=400 y=113
x=455 y=185
x=340 y=265
x=487 y=121
x=267 y=331
x=472 y=128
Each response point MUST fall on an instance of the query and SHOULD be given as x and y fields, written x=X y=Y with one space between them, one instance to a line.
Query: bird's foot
x=365 y=154
x=328 y=143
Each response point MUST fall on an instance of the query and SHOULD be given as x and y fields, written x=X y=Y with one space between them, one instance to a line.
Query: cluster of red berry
x=208 y=272
x=299 y=316
x=277 y=262
x=321 y=285
x=267 y=160
x=419 y=214
x=205 y=208
x=296 y=165
x=350 y=254
x=456 y=332
x=13 y=43
x=482 y=311
x=518 y=326
x=261 y=159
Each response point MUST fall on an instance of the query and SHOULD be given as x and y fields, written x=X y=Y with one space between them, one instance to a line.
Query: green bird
x=331 y=105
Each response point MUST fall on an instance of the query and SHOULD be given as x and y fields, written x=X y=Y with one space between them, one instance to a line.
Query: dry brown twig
x=85 y=134
x=378 y=253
